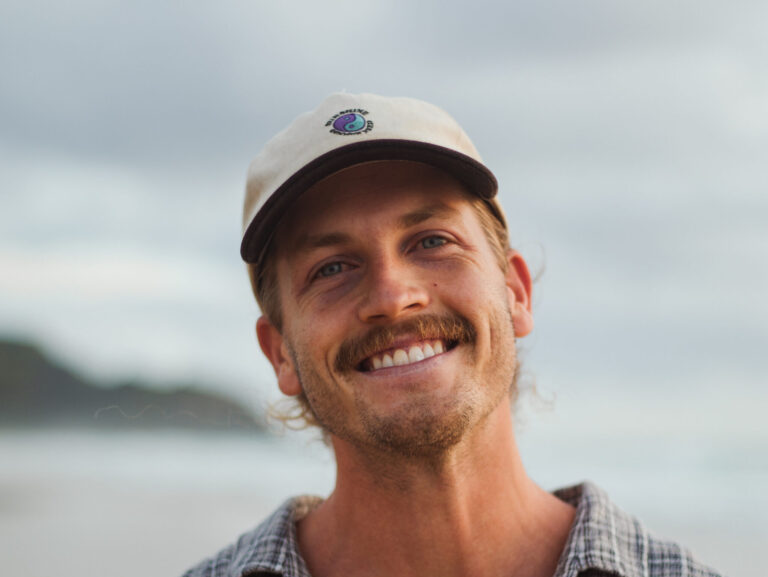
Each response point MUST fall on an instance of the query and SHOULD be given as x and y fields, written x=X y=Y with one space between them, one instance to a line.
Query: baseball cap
x=345 y=130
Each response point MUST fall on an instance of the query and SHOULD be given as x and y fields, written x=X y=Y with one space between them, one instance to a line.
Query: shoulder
x=668 y=558
x=605 y=539
x=269 y=548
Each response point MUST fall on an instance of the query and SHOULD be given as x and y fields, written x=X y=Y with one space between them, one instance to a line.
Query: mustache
x=453 y=329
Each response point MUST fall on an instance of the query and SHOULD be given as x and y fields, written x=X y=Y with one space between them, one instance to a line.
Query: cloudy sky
x=629 y=140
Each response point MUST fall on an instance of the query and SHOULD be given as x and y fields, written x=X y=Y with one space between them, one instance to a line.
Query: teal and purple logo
x=349 y=122
x=353 y=122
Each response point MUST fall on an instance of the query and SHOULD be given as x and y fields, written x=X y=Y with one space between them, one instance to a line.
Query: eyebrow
x=418 y=216
x=312 y=241
x=307 y=242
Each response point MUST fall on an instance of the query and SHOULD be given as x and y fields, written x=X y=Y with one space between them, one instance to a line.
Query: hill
x=37 y=391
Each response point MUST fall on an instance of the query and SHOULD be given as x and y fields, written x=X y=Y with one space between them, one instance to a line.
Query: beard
x=425 y=425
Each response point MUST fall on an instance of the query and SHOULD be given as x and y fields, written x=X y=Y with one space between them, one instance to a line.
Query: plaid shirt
x=604 y=541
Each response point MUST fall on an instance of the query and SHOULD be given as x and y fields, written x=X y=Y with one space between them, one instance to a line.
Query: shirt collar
x=602 y=536
x=273 y=547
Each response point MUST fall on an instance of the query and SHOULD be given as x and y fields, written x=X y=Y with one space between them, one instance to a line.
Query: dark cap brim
x=473 y=174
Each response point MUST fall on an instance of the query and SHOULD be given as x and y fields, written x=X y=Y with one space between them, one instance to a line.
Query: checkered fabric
x=604 y=542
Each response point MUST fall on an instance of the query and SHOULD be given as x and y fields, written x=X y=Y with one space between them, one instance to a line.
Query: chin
x=419 y=430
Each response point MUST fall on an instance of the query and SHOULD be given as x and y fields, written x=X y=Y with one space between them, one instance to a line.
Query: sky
x=629 y=142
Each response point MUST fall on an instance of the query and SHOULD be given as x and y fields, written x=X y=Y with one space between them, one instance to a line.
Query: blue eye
x=432 y=242
x=330 y=269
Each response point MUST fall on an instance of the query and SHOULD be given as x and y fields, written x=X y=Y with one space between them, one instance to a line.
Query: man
x=391 y=302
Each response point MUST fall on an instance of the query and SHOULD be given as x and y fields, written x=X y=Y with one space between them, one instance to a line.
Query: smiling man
x=392 y=301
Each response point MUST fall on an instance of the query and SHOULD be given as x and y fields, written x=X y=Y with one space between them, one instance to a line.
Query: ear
x=274 y=348
x=519 y=287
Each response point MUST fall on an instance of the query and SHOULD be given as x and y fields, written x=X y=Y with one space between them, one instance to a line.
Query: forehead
x=399 y=189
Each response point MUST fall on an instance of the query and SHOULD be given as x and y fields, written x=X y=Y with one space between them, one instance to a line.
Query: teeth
x=415 y=355
x=402 y=357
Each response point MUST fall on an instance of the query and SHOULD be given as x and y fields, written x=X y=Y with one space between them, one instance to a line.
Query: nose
x=392 y=290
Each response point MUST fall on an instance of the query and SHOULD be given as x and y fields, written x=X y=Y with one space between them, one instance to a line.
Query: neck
x=470 y=511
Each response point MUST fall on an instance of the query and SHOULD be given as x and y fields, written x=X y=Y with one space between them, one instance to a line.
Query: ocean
x=79 y=502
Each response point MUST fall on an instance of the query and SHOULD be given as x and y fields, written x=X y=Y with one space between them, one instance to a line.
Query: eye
x=432 y=242
x=329 y=269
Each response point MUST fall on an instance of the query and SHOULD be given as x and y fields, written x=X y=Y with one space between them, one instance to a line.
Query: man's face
x=398 y=322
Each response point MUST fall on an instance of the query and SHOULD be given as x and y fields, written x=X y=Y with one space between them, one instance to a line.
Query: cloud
x=630 y=143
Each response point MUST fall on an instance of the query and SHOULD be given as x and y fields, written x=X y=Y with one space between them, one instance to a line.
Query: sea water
x=77 y=503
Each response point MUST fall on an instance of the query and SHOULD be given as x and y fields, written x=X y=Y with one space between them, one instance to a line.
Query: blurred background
x=630 y=142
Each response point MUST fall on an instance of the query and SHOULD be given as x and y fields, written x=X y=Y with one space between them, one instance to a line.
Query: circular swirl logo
x=349 y=123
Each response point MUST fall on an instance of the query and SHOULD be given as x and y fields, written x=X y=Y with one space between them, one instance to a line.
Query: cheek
x=314 y=346
x=469 y=283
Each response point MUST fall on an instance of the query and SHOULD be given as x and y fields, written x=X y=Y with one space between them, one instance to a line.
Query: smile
x=399 y=357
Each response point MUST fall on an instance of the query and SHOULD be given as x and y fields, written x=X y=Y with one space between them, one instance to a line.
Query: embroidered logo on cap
x=351 y=121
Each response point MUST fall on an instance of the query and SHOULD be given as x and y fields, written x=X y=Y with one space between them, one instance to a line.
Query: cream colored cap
x=348 y=129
